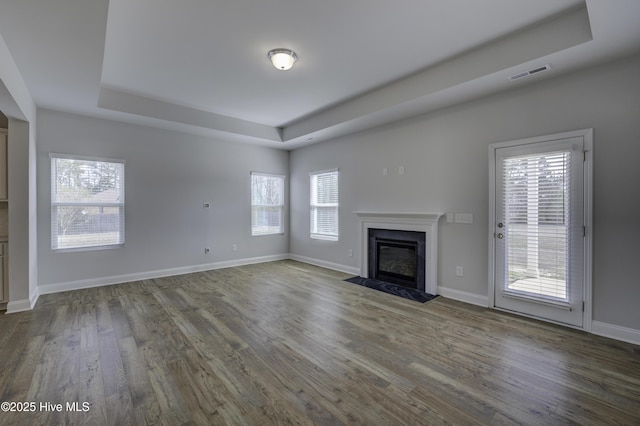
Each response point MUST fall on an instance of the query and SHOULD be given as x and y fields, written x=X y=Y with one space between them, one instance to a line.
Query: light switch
x=464 y=218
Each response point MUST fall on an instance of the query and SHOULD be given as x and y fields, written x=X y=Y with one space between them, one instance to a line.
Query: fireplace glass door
x=396 y=262
x=397 y=257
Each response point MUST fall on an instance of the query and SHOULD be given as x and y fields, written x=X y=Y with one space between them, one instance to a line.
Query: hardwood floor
x=290 y=343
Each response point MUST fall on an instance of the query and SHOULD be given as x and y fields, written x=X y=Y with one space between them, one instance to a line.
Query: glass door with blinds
x=539 y=229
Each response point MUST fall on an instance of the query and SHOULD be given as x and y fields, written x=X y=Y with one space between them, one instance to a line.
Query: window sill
x=324 y=237
x=267 y=235
x=91 y=248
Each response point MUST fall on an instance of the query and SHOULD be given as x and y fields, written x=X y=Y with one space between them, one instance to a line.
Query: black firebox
x=397 y=257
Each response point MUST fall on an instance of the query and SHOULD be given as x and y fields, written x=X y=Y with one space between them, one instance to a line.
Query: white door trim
x=587 y=135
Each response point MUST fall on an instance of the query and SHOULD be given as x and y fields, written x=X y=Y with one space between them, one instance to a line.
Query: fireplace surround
x=426 y=223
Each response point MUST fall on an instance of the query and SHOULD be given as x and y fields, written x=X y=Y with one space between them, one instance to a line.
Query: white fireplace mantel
x=420 y=222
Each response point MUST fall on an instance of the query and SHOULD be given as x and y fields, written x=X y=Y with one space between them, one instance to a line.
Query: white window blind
x=87 y=203
x=537 y=212
x=324 y=205
x=267 y=204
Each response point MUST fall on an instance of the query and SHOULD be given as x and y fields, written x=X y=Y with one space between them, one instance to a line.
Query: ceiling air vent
x=529 y=73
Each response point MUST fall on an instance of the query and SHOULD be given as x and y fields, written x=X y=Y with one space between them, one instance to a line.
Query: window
x=537 y=206
x=324 y=205
x=87 y=203
x=267 y=204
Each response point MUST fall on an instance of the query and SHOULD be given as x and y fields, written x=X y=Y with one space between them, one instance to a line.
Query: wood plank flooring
x=290 y=343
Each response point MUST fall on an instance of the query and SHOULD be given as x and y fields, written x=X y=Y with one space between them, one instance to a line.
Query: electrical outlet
x=206 y=250
x=206 y=205
x=385 y=171
x=401 y=170
x=234 y=247
x=350 y=252
x=459 y=271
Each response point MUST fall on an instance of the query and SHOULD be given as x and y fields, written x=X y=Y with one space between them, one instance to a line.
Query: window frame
x=54 y=204
x=281 y=206
x=313 y=205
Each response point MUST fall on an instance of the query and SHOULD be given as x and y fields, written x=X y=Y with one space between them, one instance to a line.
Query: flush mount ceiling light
x=282 y=59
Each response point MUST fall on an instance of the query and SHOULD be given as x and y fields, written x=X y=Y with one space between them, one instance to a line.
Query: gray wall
x=444 y=153
x=445 y=157
x=168 y=177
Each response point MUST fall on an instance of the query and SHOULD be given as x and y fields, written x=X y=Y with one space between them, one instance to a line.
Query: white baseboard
x=23 y=304
x=119 y=279
x=617 y=332
x=324 y=264
x=247 y=261
x=19 y=306
x=463 y=296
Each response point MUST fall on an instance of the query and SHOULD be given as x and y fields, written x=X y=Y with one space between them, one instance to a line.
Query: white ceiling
x=201 y=65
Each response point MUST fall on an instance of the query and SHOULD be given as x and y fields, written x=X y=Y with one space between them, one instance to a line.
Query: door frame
x=587 y=136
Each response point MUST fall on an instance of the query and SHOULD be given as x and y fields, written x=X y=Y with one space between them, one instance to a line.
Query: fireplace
x=423 y=223
x=397 y=257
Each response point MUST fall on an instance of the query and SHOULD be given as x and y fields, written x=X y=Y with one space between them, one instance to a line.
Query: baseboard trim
x=463 y=296
x=324 y=264
x=119 y=279
x=19 y=306
x=616 y=332
x=23 y=305
x=247 y=261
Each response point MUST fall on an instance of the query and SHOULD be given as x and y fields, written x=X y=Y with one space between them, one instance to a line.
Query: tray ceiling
x=201 y=66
